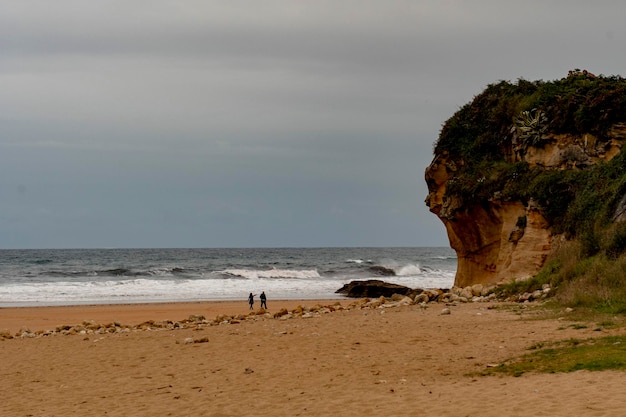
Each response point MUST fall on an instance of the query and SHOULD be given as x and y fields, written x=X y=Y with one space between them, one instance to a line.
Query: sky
x=135 y=123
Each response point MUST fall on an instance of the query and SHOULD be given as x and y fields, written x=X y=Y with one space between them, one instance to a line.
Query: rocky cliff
x=480 y=181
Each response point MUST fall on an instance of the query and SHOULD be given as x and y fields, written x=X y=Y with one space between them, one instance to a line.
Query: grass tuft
x=606 y=353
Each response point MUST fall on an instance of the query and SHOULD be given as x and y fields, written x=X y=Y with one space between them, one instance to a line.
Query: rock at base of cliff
x=374 y=288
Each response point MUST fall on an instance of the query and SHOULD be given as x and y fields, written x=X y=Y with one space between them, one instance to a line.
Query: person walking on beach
x=251 y=301
x=263 y=300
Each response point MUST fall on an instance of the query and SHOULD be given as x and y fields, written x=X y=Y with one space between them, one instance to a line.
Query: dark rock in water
x=373 y=288
x=381 y=270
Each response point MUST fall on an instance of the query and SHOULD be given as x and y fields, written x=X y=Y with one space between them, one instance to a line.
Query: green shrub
x=616 y=240
x=545 y=276
x=606 y=353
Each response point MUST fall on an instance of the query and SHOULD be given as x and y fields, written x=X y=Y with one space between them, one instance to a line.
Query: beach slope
x=396 y=361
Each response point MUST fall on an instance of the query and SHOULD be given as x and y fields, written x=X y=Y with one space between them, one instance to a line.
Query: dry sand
x=404 y=361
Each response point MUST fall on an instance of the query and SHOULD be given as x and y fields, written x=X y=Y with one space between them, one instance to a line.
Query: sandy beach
x=402 y=361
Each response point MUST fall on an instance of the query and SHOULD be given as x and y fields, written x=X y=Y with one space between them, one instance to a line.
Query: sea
x=53 y=277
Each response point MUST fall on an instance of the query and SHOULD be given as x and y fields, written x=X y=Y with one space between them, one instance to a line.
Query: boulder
x=421 y=298
x=373 y=289
x=433 y=294
x=477 y=289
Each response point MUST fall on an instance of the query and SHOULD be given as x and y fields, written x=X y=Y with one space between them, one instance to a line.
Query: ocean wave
x=409 y=270
x=396 y=270
x=272 y=273
x=118 y=272
x=166 y=271
x=382 y=270
x=358 y=261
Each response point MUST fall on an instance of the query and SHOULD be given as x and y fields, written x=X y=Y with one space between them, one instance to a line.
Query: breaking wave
x=358 y=261
x=272 y=273
x=396 y=270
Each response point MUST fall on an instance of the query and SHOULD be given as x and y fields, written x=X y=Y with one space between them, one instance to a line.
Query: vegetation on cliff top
x=578 y=104
x=482 y=138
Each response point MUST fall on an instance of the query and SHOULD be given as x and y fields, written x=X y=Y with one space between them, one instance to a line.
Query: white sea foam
x=358 y=261
x=408 y=270
x=163 y=290
x=161 y=272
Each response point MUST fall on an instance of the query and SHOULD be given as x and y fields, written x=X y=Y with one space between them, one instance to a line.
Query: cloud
x=241 y=116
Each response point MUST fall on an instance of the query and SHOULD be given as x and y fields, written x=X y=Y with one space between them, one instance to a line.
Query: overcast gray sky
x=256 y=123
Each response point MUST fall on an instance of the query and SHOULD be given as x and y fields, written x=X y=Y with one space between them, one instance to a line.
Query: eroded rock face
x=490 y=243
x=502 y=240
x=572 y=152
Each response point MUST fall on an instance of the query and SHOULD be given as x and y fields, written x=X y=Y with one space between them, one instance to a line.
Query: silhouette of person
x=251 y=301
x=263 y=300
